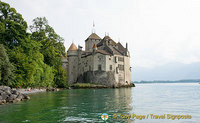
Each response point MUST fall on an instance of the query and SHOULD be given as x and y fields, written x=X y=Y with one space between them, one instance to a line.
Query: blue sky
x=159 y=32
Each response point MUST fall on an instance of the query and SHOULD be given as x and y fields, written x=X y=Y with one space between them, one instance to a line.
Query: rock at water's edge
x=8 y=95
x=52 y=89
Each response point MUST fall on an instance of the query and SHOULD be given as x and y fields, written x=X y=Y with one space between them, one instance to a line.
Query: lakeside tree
x=52 y=48
x=36 y=57
x=6 y=68
x=12 y=26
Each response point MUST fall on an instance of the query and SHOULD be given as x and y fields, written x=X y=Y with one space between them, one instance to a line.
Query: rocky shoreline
x=8 y=95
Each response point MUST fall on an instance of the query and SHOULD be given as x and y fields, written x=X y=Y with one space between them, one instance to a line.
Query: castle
x=103 y=62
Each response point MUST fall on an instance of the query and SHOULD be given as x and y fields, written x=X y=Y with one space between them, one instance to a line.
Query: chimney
x=107 y=42
x=80 y=47
x=126 y=53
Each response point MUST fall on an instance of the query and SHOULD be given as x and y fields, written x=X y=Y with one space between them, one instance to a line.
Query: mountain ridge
x=167 y=72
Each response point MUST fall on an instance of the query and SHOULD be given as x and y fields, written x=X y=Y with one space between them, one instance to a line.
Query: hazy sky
x=158 y=31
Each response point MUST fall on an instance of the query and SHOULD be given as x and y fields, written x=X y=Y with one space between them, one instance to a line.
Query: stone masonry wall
x=98 y=77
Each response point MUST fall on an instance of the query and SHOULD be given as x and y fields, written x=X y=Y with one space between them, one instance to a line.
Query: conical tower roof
x=72 y=47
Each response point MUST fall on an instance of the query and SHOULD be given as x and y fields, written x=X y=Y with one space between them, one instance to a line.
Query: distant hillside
x=172 y=71
x=177 y=81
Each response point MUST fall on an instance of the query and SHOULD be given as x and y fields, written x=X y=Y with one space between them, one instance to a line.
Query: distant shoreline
x=170 y=81
x=149 y=82
x=166 y=83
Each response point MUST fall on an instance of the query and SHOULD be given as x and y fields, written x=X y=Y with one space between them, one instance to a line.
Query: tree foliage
x=52 y=47
x=36 y=56
x=6 y=68
x=12 y=27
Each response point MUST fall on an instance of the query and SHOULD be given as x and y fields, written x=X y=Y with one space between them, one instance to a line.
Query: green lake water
x=87 y=105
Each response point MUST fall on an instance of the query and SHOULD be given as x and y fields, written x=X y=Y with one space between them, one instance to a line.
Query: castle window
x=121 y=59
x=115 y=59
x=121 y=67
x=110 y=67
x=100 y=58
x=99 y=67
x=117 y=70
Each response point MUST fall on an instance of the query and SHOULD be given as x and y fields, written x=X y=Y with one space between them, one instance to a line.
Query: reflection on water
x=86 y=105
x=90 y=104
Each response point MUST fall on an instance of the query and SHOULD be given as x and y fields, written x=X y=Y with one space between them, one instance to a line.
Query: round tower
x=72 y=56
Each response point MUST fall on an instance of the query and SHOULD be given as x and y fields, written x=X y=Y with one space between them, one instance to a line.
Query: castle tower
x=90 y=41
x=72 y=56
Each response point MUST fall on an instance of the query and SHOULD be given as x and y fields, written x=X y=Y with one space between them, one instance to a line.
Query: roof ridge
x=93 y=36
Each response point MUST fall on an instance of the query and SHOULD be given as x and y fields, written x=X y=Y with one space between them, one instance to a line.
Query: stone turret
x=72 y=56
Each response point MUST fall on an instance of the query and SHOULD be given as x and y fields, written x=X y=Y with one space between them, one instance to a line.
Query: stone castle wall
x=98 y=77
